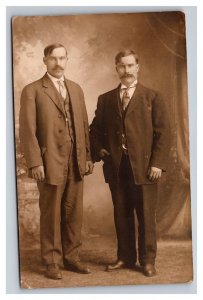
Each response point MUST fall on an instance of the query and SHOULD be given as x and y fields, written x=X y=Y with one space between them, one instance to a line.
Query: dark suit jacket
x=43 y=128
x=147 y=132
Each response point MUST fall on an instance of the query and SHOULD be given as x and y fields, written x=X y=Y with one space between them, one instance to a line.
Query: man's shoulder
x=109 y=94
x=34 y=84
x=150 y=92
x=142 y=89
x=73 y=84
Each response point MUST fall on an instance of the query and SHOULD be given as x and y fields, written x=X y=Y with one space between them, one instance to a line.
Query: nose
x=58 y=61
x=127 y=69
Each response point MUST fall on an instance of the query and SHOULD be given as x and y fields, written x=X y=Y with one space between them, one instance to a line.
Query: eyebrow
x=57 y=56
x=123 y=64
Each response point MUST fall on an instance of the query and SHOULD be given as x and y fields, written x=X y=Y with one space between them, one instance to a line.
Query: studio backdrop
x=92 y=42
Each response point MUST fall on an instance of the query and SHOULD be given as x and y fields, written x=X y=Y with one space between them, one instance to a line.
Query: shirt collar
x=54 y=79
x=133 y=84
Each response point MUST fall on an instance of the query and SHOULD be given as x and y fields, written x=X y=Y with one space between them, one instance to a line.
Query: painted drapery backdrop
x=92 y=42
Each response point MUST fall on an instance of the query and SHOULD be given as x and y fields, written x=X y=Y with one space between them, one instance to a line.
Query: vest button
x=60 y=116
x=60 y=130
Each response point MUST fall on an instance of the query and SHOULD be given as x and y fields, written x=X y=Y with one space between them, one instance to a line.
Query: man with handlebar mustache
x=130 y=133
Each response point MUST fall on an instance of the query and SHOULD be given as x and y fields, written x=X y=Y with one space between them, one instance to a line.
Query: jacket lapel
x=115 y=101
x=136 y=98
x=73 y=98
x=51 y=91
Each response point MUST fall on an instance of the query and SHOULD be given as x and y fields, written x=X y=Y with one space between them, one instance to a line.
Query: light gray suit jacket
x=43 y=128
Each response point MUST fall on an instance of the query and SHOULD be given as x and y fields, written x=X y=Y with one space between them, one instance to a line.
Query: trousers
x=61 y=212
x=128 y=199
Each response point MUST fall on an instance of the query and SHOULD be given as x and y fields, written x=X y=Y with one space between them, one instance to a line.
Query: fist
x=38 y=173
x=103 y=152
x=154 y=173
x=89 y=167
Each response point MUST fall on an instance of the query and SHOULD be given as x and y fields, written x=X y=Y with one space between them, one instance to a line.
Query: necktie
x=62 y=89
x=125 y=99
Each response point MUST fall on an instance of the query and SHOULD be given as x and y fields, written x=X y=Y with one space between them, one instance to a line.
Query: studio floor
x=173 y=264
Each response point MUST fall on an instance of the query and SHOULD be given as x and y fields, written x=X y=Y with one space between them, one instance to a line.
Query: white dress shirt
x=131 y=88
x=55 y=81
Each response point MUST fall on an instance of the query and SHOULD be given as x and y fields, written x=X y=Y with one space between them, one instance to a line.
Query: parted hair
x=48 y=50
x=124 y=53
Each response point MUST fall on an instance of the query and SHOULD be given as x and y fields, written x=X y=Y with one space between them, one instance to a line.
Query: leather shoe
x=53 y=271
x=149 y=270
x=119 y=264
x=77 y=267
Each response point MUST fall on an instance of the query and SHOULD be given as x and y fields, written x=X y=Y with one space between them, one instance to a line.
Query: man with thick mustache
x=130 y=133
x=54 y=135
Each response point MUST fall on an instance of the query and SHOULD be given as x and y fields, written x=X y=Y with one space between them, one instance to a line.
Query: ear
x=138 y=67
x=45 y=60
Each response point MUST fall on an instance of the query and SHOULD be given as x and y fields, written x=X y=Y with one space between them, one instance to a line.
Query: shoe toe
x=116 y=266
x=149 y=270
x=77 y=267
x=53 y=272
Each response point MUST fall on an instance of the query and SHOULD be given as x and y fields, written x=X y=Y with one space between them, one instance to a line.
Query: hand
x=89 y=167
x=154 y=173
x=103 y=152
x=38 y=173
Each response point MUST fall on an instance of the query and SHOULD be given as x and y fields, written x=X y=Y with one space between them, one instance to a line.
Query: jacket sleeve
x=97 y=129
x=86 y=127
x=161 y=134
x=28 y=128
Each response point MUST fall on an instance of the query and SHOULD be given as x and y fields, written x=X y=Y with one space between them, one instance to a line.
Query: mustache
x=58 y=68
x=127 y=76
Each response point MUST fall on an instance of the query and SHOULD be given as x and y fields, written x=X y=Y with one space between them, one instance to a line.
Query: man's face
x=127 y=69
x=56 y=62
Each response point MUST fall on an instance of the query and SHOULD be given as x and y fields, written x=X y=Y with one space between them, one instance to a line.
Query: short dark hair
x=124 y=53
x=48 y=50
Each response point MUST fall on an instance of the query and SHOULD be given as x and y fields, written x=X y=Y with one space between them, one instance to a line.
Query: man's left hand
x=89 y=167
x=154 y=173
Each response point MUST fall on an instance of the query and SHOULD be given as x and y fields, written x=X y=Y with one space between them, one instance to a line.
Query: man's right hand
x=103 y=152
x=38 y=173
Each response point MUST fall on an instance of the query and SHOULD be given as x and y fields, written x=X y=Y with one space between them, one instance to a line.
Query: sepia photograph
x=102 y=149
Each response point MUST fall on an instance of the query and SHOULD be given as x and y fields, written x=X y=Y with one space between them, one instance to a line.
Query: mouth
x=127 y=76
x=58 y=69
